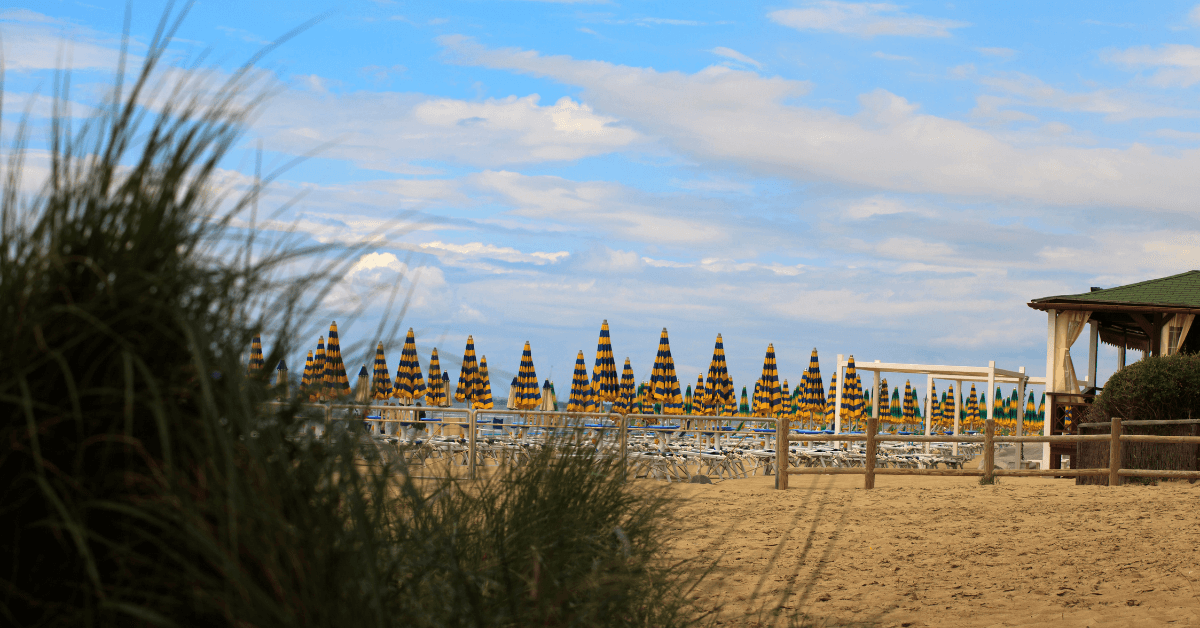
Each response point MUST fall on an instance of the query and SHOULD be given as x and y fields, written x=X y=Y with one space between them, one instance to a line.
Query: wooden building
x=1152 y=316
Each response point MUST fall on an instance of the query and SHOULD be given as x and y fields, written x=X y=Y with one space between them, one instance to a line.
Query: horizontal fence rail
x=469 y=422
x=989 y=440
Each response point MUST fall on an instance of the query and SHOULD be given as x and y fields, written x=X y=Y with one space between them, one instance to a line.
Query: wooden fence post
x=1114 y=453
x=872 y=428
x=782 y=430
x=989 y=450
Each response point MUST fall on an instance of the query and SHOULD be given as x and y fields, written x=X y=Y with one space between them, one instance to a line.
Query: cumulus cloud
x=374 y=129
x=491 y=251
x=729 y=115
x=1177 y=65
x=866 y=19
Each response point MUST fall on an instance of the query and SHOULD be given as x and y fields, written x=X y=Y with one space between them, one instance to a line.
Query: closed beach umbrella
x=935 y=406
x=719 y=389
x=281 y=374
x=831 y=400
x=814 y=390
x=699 y=396
x=337 y=384
x=317 y=391
x=445 y=390
x=948 y=407
x=436 y=394
x=583 y=396
x=514 y=395
x=625 y=391
x=468 y=376
x=998 y=404
x=852 y=402
x=362 y=387
x=529 y=395
x=549 y=402
x=896 y=407
x=409 y=385
x=483 y=398
x=972 y=409
x=785 y=401
x=744 y=408
x=257 y=364
x=768 y=396
x=1030 y=415
x=663 y=381
x=687 y=400
x=908 y=411
x=604 y=372
x=381 y=377
x=306 y=377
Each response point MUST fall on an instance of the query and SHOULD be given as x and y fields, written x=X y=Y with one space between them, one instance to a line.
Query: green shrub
x=1157 y=388
x=148 y=485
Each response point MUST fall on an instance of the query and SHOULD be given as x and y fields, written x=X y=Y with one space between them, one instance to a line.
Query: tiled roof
x=1182 y=290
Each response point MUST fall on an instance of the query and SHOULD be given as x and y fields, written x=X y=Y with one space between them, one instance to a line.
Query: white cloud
x=730 y=53
x=491 y=251
x=1030 y=91
x=867 y=19
x=1179 y=64
x=1194 y=15
x=741 y=117
x=877 y=206
x=388 y=131
x=1172 y=134
x=889 y=57
x=34 y=41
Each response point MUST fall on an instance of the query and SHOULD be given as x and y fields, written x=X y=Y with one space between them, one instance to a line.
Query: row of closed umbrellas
x=325 y=378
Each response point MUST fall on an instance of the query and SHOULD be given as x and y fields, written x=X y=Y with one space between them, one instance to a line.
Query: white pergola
x=956 y=374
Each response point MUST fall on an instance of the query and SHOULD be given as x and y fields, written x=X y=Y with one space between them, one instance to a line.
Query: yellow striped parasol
x=604 y=372
x=337 y=384
x=257 y=364
x=468 y=375
x=528 y=393
x=583 y=396
x=381 y=379
x=626 y=391
x=483 y=399
x=663 y=381
x=409 y=385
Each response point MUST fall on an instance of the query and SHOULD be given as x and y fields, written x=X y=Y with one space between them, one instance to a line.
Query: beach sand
x=932 y=551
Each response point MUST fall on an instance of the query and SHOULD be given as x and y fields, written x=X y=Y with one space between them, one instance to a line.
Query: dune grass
x=149 y=484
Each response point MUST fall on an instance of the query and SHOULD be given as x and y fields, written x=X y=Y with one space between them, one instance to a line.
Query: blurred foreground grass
x=147 y=484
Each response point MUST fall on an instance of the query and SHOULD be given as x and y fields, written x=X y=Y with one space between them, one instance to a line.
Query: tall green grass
x=147 y=483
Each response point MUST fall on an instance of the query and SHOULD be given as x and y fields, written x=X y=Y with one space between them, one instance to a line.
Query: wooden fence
x=989 y=440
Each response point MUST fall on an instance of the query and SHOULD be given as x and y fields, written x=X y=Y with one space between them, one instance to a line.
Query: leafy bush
x=1158 y=388
x=148 y=484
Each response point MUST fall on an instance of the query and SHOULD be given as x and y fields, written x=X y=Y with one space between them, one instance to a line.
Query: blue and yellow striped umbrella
x=948 y=406
x=362 y=386
x=663 y=381
x=785 y=400
x=604 y=372
x=381 y=377
x=468 y=376
x=852 y=402
x=306 y=377
x=935 y=407
x=719 y=388
x=831 y=400
x=409 y=385
x=529 y=394
x=483 y=398
x=813 y=395
x=445 y=390
x=908 y=407
x=625 y=391
x=337 y=384
x=257 y=364
x=436 y=395
x=768 y=401
x=583 y=396
x=317 y=391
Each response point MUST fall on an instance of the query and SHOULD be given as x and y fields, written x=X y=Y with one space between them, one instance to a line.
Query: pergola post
x=1020 y=429
x=1051 y=369
x=928 y=405
x=1093 y=348
x=837 y=396
x=957 y=412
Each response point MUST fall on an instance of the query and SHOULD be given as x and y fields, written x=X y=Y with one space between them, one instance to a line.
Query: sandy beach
x=919 y=551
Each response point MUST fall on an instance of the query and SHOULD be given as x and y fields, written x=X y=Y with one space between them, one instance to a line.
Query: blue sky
x=884 y=180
